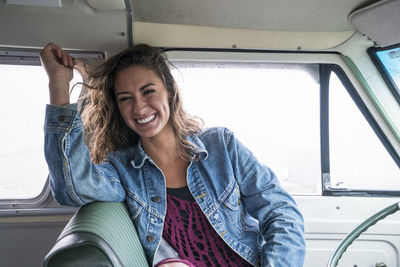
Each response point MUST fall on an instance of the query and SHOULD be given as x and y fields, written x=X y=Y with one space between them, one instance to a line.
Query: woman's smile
x=146 y=119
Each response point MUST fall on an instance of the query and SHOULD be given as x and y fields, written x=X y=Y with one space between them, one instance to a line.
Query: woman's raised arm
x=74 y=179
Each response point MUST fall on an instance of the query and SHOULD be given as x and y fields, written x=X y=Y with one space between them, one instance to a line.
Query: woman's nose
x=140 y=106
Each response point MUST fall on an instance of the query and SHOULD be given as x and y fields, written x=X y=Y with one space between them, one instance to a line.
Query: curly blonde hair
x=104 y=126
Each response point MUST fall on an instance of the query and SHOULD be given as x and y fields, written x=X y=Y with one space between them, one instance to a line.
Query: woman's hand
x=173 y=264
x=59 y=67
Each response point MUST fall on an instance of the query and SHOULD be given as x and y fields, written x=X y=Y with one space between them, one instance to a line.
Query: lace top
x=188 y=231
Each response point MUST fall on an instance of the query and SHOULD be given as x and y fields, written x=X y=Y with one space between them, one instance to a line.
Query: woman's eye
x=122 y=99
x=149 y=92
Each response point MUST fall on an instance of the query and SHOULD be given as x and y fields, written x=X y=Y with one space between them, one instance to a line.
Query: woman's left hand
x=172 y=262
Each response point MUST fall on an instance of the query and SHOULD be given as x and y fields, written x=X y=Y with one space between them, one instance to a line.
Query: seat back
x=99 y=234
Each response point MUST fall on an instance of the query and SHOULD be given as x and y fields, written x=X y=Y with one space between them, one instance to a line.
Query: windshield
x=391 y=61
x=387 y=60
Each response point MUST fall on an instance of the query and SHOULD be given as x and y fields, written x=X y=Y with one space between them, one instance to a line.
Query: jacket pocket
x=136 y=205
x=230 y=198
x=230 y=203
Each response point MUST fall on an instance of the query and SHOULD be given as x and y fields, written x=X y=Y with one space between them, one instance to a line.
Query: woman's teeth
x=147 y=119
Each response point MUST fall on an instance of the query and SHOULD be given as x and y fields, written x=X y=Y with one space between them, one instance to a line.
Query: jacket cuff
x=62 y=118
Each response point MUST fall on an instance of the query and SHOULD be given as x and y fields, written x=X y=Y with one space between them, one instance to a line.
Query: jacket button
x=150 y=238
x=62 y=118
x=156 y=199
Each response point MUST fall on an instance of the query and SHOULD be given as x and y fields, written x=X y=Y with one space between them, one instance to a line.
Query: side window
x=24 y=95
x=358 y=160
x=272 y=108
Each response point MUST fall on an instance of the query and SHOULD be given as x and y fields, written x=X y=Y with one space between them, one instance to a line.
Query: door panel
x=329 y=219
x=25 y=241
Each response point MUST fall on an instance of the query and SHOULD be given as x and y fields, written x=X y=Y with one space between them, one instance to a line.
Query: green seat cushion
x=107 y=229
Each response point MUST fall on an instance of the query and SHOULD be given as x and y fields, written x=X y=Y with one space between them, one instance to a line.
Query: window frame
x=31 y=57
x=372 y=52
x=327 y=189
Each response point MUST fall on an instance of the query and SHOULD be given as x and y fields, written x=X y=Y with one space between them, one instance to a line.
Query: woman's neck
x=162 y=148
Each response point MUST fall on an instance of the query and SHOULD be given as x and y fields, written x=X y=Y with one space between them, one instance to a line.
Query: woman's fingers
x=57 y=63
x=65 y=59
x=53 y=52
x=71 y=62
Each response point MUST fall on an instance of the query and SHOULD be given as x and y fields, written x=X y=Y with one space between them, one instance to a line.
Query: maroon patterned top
x=188 y=231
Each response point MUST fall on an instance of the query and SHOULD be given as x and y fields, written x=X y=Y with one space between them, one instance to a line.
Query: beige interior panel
x=172 y=35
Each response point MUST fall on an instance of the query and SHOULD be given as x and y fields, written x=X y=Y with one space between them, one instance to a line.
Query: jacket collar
x=139 y=156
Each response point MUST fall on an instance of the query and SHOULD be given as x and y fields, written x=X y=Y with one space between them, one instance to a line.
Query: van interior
x=311 y=87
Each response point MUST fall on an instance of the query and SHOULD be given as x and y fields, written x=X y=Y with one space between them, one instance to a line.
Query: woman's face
x=142 y=100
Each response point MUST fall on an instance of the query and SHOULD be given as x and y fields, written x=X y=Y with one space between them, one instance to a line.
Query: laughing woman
x=199 y=193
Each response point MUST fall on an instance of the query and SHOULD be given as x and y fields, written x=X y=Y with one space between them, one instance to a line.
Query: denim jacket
x=241 y=198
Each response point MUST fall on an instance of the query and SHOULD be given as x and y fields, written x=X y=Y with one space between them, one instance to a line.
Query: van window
x=272 y=108
x=358 y=160
x=24 y=94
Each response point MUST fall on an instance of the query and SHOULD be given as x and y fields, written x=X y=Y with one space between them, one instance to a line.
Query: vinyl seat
x=99 y=234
